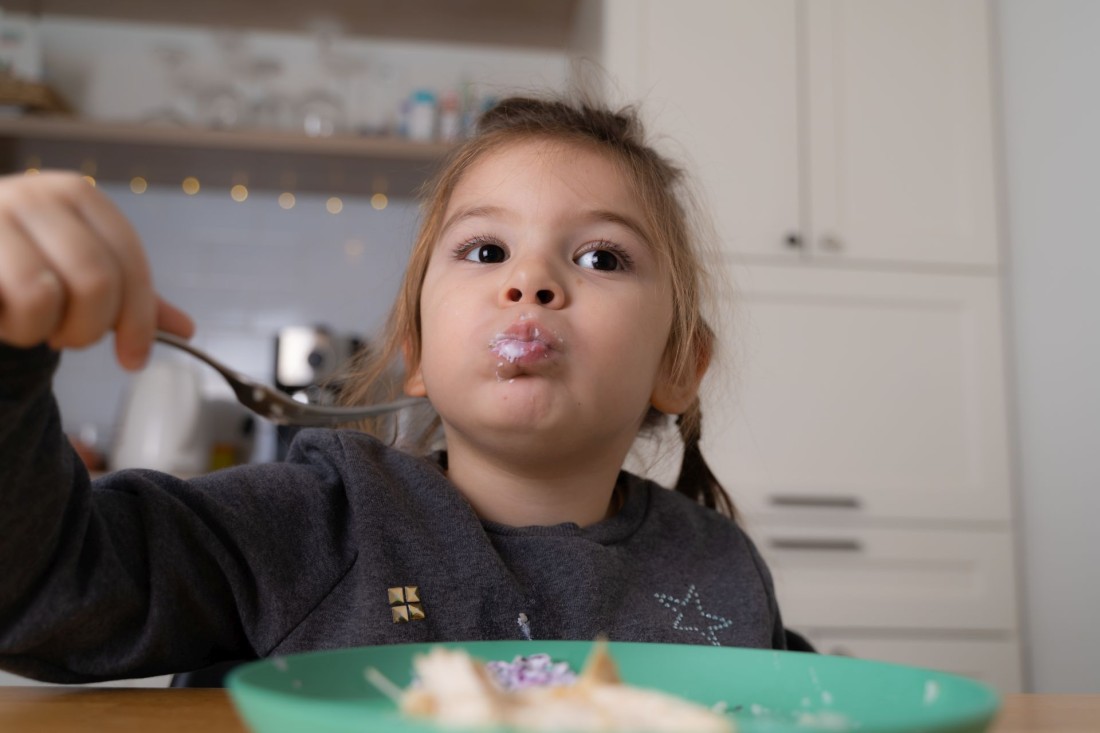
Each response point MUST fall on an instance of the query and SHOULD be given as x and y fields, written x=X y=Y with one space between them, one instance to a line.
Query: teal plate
x=763 y=690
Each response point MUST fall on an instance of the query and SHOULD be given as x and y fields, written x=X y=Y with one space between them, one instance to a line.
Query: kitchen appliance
x=307 y=360
x=161 y=426
x=169 y=423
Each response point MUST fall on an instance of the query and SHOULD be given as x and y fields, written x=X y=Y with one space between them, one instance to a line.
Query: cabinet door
x=865 y=394
x=900 y=131
x=719 y=79
x=993 y=661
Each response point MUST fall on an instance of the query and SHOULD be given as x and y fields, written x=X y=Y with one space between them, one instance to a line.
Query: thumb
x=133 y=348
x=173 y=320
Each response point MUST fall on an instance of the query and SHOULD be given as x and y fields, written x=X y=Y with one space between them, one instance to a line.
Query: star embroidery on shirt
x=707 y=624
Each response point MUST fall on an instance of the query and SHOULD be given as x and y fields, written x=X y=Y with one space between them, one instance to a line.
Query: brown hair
x=658 y=185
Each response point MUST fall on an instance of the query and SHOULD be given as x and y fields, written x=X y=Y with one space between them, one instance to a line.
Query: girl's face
x=544 y=311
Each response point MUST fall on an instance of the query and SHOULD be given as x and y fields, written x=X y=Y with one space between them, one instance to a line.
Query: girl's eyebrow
x=472 y=212
x=594 y=215
x=613 y=217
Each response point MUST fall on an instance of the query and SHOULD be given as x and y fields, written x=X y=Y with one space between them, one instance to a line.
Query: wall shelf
x=71 y=129
x=263 y=159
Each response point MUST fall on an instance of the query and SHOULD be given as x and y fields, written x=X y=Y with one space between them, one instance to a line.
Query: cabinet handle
x=793 y=240
x=815 y=544
x=815 y=502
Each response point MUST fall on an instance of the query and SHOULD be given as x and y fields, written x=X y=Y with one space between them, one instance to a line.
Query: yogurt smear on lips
x=524 y=344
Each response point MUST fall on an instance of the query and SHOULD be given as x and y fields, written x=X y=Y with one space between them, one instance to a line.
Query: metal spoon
x=278 y=407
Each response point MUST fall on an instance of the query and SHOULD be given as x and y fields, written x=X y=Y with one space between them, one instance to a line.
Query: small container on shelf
x=450 y=117
x=421 y=122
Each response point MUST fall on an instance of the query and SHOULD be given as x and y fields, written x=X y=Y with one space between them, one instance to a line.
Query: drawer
x=858 y=577
x=993 y=661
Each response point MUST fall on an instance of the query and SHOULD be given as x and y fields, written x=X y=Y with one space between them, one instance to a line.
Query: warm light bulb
x=190 y=185
x=286 y=200
x=138 y=184
x=239 y=192
x=334 y=205
x=379 y=201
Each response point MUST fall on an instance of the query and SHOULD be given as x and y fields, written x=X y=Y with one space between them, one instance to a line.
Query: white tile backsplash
x=244 y=270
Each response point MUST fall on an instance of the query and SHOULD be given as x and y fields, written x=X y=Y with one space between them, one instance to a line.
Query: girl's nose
x=543 y=296
x=533 y=283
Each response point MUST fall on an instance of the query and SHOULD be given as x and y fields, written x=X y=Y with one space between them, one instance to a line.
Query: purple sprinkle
x=536 y=670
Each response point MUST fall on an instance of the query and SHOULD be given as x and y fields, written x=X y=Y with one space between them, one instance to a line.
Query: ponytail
x=696 y=480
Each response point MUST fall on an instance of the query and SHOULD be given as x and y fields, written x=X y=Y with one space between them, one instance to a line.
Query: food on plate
x=456 y=691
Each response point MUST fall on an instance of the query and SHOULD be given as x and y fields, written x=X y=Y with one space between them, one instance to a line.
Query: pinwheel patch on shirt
x=690 y=615
x=405 y=603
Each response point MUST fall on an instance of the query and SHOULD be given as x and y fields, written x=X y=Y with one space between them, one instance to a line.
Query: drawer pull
x=816 y=502
x=815 y=544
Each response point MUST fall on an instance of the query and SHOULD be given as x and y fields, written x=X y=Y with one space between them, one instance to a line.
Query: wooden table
x=129 y=710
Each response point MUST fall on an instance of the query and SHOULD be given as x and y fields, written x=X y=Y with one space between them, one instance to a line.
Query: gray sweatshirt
x=140 y=573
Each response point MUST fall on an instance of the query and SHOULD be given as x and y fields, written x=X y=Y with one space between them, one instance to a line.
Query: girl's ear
x=414 y=377
x=674 y=396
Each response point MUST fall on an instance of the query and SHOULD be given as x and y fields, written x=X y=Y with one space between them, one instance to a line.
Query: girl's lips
x=519 y=351
x=525 y=343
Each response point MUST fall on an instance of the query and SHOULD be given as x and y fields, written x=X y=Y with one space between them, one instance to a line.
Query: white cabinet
x=845 y=150
x=877 y=395
x=864 y=439
x=851 y=130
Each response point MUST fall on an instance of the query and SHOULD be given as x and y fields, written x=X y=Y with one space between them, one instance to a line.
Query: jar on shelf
x=450 y=117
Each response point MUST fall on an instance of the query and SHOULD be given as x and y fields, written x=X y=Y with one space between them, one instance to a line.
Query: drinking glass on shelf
x=172 y=61
x=321 y=113
x=268 y=109
x=220 y=106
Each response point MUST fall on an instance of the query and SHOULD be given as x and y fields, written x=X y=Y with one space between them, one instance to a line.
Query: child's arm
x=144 y=574
x=147 y=574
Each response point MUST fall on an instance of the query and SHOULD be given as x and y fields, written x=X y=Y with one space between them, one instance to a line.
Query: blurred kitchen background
x=902 y=191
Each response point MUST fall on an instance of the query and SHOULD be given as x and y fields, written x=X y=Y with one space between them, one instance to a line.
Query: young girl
x=551 y=309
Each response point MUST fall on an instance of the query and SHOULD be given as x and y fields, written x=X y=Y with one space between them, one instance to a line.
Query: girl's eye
x=487 y=253
x=600 y=259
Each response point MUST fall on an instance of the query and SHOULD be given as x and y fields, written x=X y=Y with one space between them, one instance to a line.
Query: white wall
x=1050 y=53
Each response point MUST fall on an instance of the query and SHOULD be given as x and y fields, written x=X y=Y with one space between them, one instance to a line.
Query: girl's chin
x=527 y=410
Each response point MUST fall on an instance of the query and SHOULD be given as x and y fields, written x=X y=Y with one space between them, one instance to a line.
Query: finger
x=32 y=298
x=137 y=311
x=88 y=271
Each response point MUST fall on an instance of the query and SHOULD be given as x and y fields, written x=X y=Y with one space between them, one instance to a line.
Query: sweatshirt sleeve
x=778 y=632
x=140 y=573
